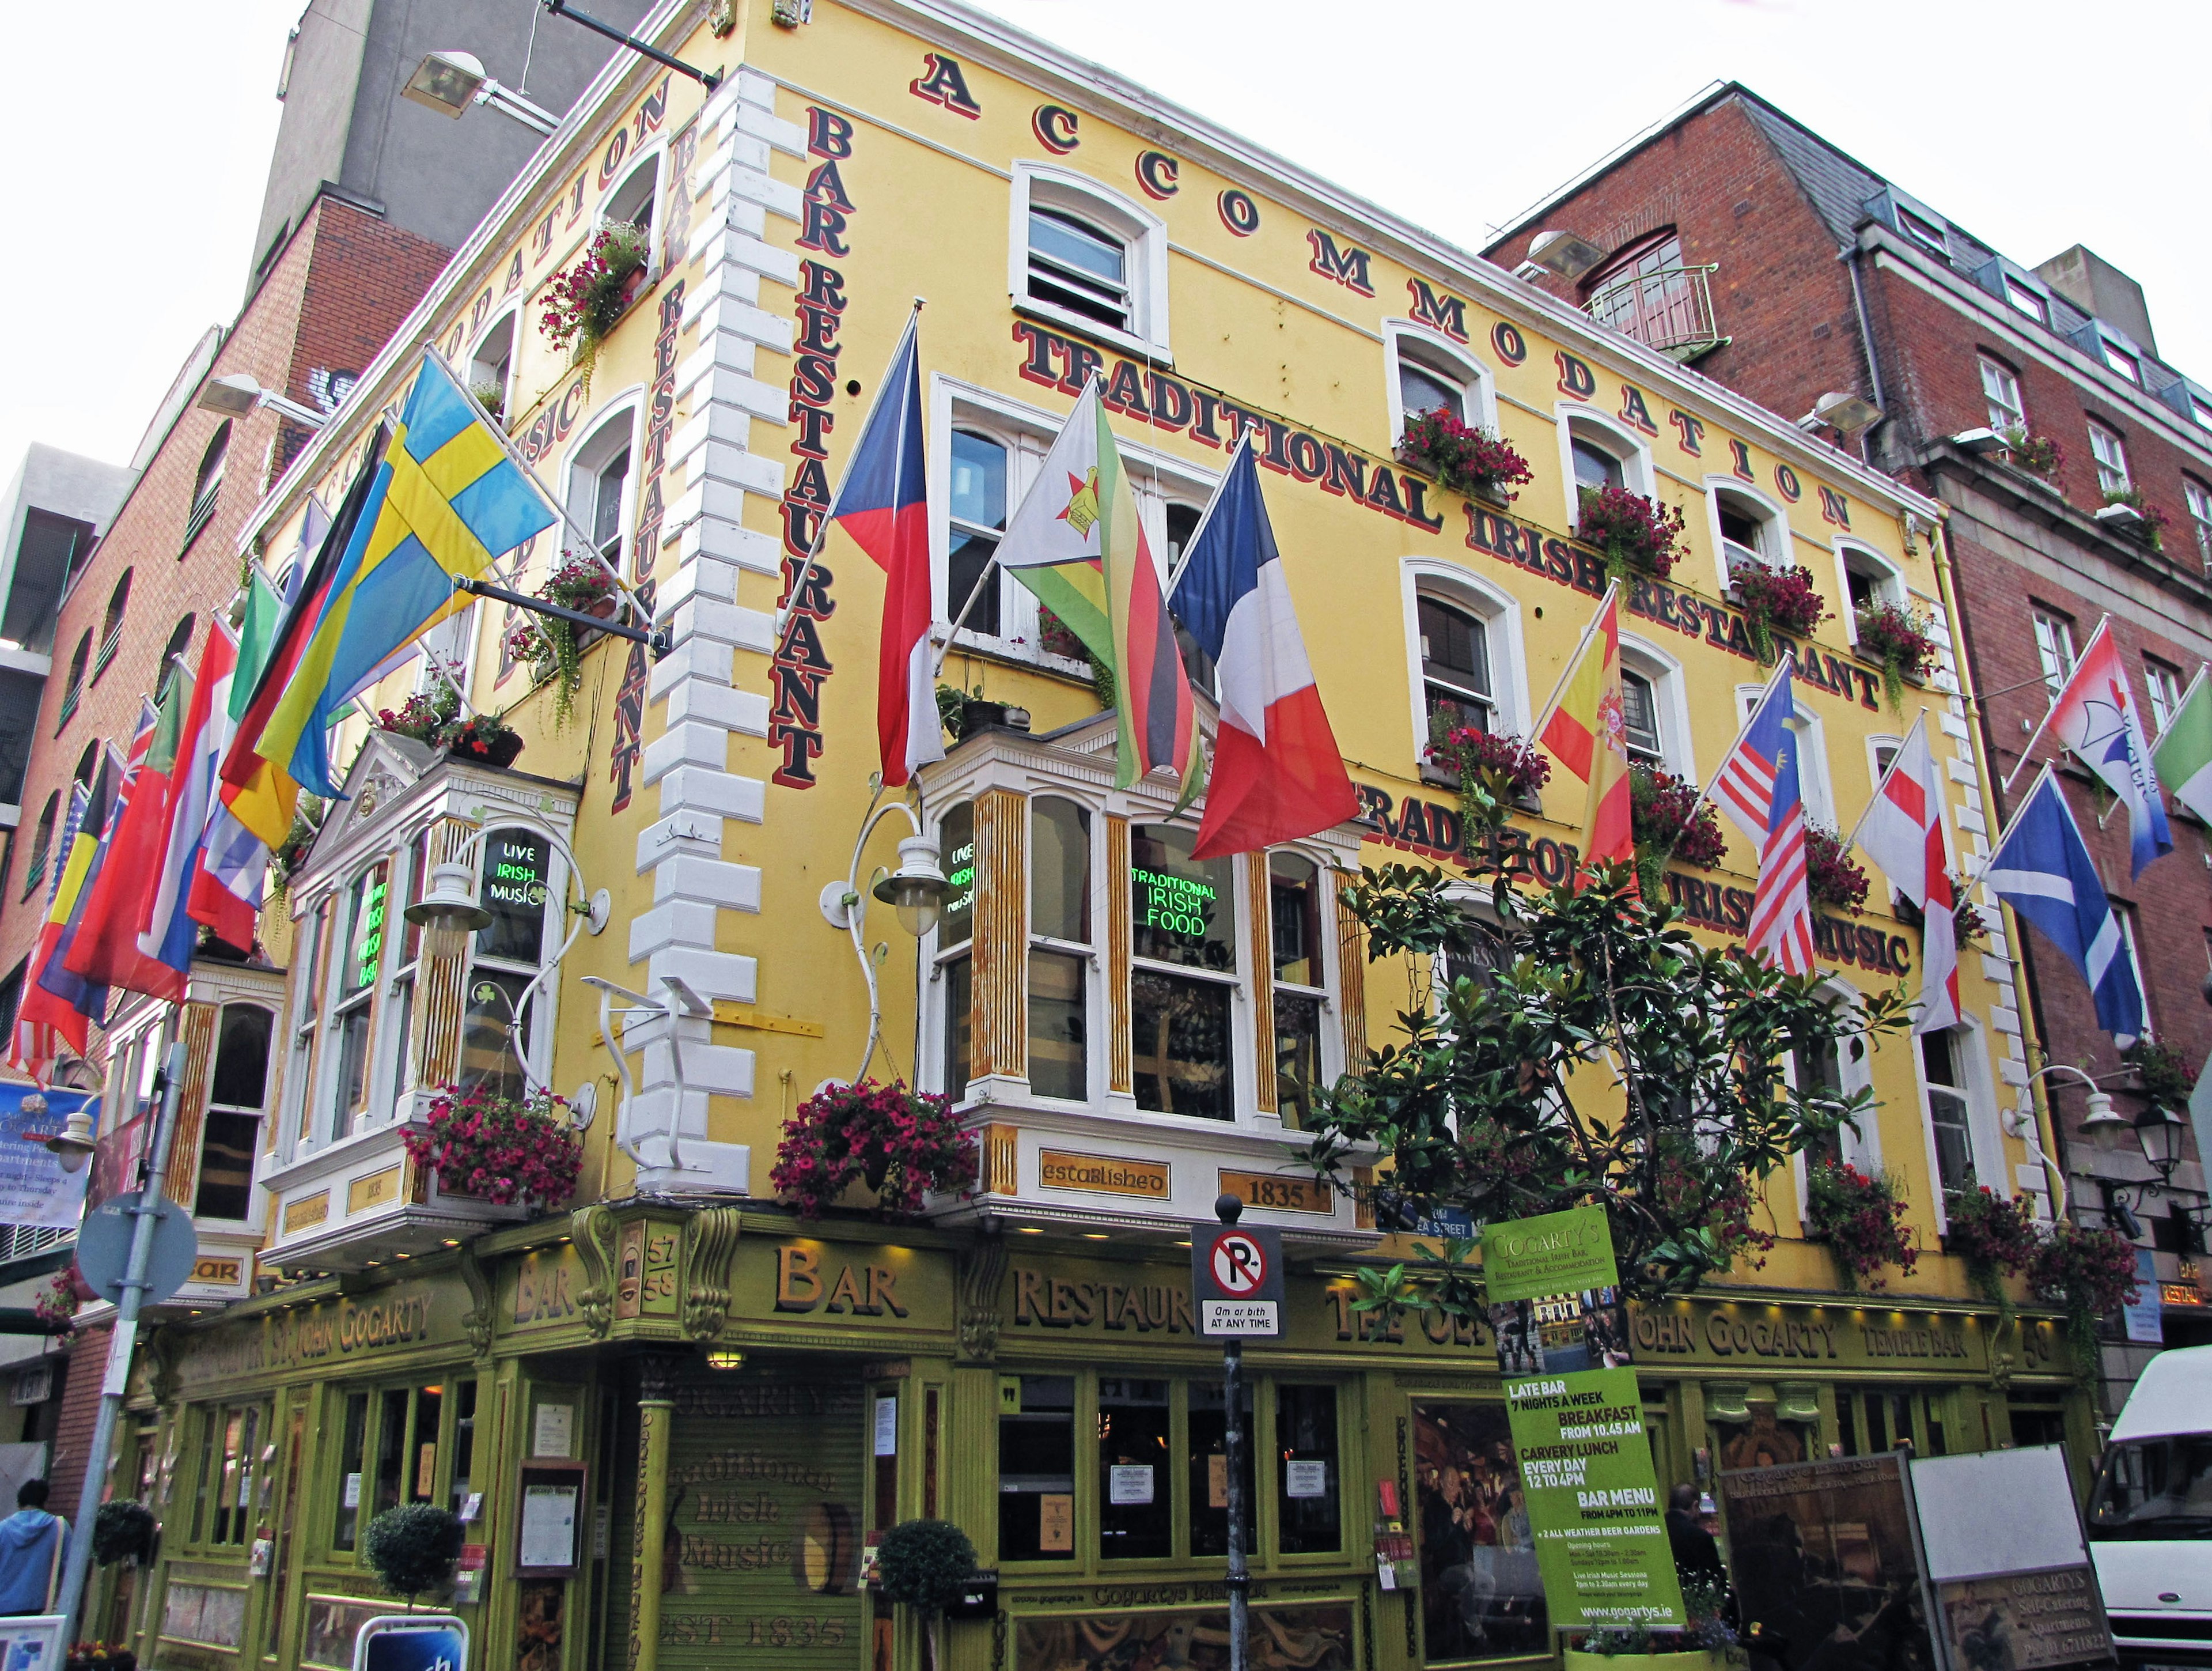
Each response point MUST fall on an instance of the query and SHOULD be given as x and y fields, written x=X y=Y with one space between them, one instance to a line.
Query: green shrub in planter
x=123 y=1528
x=413 y=1547
x=925 y=1564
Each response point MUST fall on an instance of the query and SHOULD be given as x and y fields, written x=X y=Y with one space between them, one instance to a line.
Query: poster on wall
x=1577 y=1419
x=1827 y=1565
x=33 y=1188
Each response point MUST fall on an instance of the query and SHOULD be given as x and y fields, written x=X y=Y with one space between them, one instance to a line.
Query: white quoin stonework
x=713 y=680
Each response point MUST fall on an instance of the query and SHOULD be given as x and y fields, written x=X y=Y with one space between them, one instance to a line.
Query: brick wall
x=72 y=1439
x=341 y=286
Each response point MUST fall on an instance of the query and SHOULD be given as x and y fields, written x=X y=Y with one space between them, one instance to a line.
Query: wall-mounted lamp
x=1563 y=254
x=916 y=890
x=1843 y=412
x=236 y=394
x=73 y=1143
x=449 y=82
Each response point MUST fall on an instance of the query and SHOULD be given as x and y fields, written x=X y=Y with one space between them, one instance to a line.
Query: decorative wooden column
x=1260 y=906
x=439 y=998
x=196 y=1028
x=998 y=1015
x=1350 y=978
x=656 y=1420
x=1120 y=1074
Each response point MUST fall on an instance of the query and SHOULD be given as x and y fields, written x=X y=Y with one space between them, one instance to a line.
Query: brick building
x=1737 y=240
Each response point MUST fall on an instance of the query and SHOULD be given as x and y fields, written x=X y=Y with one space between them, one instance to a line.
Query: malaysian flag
x=1757 y=788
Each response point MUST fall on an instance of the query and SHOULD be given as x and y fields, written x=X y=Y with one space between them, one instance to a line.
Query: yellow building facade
x=1119 y=1065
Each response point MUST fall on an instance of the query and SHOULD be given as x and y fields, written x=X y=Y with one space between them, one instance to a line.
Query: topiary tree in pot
x=413 y=1548
x=926 y=1563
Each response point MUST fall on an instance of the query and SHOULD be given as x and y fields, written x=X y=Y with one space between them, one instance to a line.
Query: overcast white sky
x=2033 y=125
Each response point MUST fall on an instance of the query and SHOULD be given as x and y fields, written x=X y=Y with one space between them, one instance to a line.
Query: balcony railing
x=1670 y=310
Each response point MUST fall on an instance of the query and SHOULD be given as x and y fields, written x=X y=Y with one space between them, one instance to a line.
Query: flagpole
x=2104 y=626
x=1919 y=725
x=1783 y=664
x=1551 y=702
x=2005 y=834
x=1182 y=561
x=2181 y=706
x=798 y=588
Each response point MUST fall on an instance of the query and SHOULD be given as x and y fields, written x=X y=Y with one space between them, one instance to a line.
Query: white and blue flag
x=2043 y=870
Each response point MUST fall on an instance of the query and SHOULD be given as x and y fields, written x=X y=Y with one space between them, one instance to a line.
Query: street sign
x=103 y=1249
x=1236 y=1281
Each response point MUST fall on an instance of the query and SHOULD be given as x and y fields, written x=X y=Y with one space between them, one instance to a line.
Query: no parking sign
x=1236 y=1281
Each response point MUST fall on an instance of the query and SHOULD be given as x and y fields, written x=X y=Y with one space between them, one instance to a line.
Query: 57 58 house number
x=723 y=1629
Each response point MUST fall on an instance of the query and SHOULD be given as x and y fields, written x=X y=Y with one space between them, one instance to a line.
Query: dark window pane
x=422 y=1460
x=958 y=995
x=1739 y=525
x=1134 y=1510
x=1179 y=1030
x=225 y=1181
x=491 y=1042
x=1060 y=870
x=241 y=1058
x=353 y=1069
x=1640 y=713
x=464 y=1444
x=1209 y=1468
x=391 y=1446
x=1305 y=1435
x=1479 y=1597
x=1297 y=1057
x=366 y=902
x=1454 y=645
x=1595 y=467
x=956 y=840
x=514 y=893
x=1037 y=1472
x=1421 y=390
x=347 y=1523
x=963 y=567
x=1057 y=1066
x=1294 y=891
x=1181 y=908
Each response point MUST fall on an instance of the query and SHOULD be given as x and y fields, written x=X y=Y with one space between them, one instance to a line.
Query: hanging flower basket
x=904 y=1145
x=1861 y=1218
x=555 y=648
x=1832 y=877
x=1777 y=600
x=484 y=739
x=583 y=302
x=1496 y=771
x=1995 y=1234
x=424 y=716
x=1467 y=460
x=498 y=1149
x=1896 y=638
x=2087 y=1273
x=1661 y=818
x=1638 y=535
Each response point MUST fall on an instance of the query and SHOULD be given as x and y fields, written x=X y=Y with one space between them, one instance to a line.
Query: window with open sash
x=1184 y=977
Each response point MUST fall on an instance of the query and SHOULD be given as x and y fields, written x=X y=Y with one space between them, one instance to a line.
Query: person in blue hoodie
x=31 y=1545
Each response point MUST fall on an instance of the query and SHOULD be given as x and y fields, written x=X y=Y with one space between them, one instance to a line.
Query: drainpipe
x=1850 y=257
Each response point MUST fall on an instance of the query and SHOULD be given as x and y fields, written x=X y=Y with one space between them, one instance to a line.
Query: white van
x=2150 y=1516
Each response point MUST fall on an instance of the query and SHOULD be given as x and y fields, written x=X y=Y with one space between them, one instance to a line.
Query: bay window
x=237 y=1095
x=1184 y=976
x=955 y=933
x=1059 y=948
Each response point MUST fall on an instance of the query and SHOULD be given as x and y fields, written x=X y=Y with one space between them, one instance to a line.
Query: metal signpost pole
x=1237 y=1292
x=146 y=1213
x=1240 y=1582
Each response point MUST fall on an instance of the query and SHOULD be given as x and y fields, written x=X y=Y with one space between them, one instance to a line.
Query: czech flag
x=1588 y=734
x=1277 y=773
x=883 y=504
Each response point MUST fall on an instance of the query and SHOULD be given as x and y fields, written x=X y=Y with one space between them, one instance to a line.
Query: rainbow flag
x=1076 y=542
x=1587 y=734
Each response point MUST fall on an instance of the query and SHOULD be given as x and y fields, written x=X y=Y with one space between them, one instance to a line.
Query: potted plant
x=99 y=1657
x=1784 y=600
x=1495 y=772
x=2126 y=509
x=1468 y=460
x=1832 y=877
x=1995 y=1234
x=2040 y=455
x=122 y=1531
x=2162 y=1077
x=925 y=1564
x=506 y=1151
x=493 y=398
x=487 y=739
x=1894 y=636
x=555 y=648
x=1056 y=636
x=1861 y=1215
x=424 y=716
x=2087 y=1273
x=55 y=1305
x=901 y=1144
x=413 y=1548
x=583 y=302
x=1668 y=819
x=1636 y=533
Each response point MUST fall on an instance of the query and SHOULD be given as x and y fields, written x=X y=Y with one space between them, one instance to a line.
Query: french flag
x=883 y=504
x=1277 y=774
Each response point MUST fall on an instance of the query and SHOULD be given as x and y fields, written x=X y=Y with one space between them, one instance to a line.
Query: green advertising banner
x=1577 y=1418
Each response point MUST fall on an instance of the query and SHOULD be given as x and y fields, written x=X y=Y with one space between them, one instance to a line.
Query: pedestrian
x=31 y=1545
x=1697 y=1552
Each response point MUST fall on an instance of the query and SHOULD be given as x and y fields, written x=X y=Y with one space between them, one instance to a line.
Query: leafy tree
x=1580 y=1047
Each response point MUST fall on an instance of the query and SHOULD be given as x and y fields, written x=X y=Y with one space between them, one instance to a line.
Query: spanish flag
x=447 y=503
x=1587 y=734
x=1078 y=543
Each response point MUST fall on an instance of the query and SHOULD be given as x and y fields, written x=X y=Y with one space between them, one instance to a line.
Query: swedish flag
x=447 y=503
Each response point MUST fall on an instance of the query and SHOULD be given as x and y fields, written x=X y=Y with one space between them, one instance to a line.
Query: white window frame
x=1875 y=743
x=2131 y=938
x=1097 y=1018
x=2108 y=451
x=2025 y=298
x=1671 y=701
x=652 y=157
x=1500 y=611
x=1144 y=234
x=271 y=1085
x=2198 y=497
x=1776 y=546
x=512 y=319
x=1159 y=479
x=1970 y=1049
x=1815 y=785
x=1585 y=423
x=1888 y=582
x=579 y=475
x=1439 y=355
x=2053 y=633
x=2163 y=684
x=543 y=1006
x=1860 y=1147
x=1264 y=983
x=2000 y=395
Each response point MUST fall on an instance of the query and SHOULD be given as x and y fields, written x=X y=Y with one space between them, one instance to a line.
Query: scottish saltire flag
x=2043 y=870
x=447 y=503
x=1277 y=773
x=1076 y=542
x=166 y=932
x=1758 y=790
x=2095 y=715
x=1587 y=732
x=1902 y=830
x=2182 y=756
x=883 y=504
x=44 y=1023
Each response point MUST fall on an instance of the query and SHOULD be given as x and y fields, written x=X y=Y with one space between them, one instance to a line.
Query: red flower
x=902 y=1145
x=482 y=1142
x=1862 y=1219
x=1465 y=459
x=1832 y=876
x=1639 y=533
x=1659 y=805
x=1783 y=598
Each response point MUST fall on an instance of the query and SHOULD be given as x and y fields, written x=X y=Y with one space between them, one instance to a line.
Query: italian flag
x=1076 y=542
x=1587 y=735
x=2182 y=756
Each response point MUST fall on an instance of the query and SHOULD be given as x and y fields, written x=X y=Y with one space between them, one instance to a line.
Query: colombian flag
x=1077 y=543
x=1587 y=734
